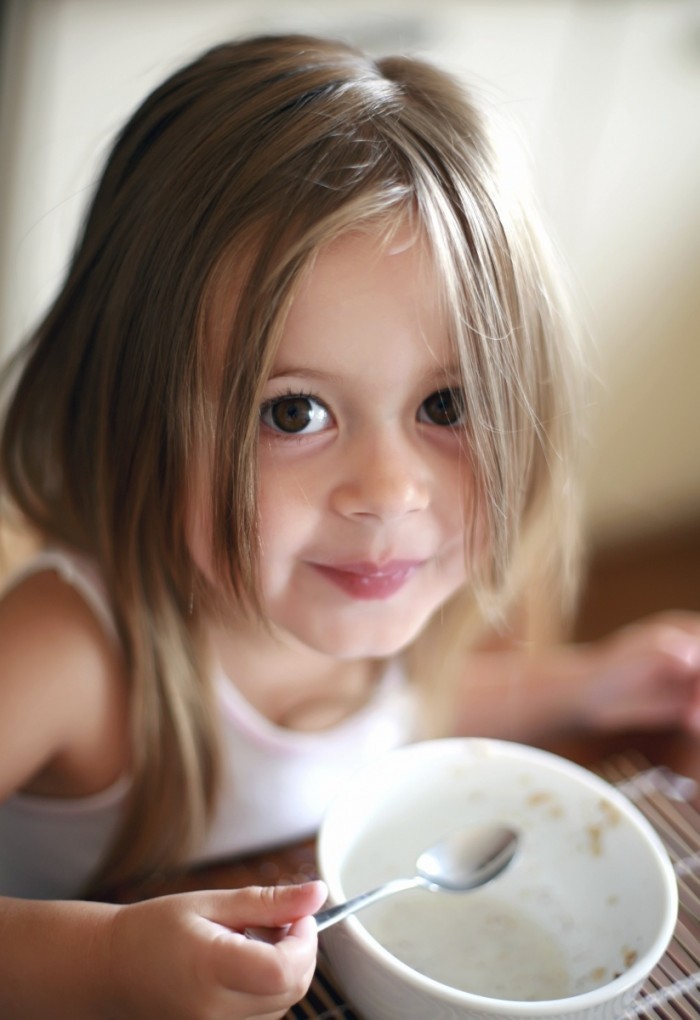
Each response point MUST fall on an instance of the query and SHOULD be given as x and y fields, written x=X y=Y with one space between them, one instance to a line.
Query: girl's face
x=363 y=477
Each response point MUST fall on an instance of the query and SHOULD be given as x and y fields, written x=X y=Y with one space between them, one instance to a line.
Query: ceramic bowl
x=571 y=929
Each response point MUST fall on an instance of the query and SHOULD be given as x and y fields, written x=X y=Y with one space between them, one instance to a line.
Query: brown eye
x=295 y=414
x=444 y=407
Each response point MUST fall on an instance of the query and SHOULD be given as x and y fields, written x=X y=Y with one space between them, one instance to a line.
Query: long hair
x=247 y=161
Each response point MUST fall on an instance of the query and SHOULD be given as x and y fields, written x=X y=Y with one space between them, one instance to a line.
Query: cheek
x=290 y=495
x=283 y=519
x=457 y=502
x=463 y=515
x=290 y=521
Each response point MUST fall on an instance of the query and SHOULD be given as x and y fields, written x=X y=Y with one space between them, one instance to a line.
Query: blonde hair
x=247 y=161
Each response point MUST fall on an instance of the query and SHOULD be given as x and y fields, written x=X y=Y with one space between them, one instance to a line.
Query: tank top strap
x=78 y=572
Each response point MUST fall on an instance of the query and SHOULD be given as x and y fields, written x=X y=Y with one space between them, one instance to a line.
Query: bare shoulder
x=63 y=692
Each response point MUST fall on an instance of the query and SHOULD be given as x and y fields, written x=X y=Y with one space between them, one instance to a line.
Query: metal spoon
x=465 y=860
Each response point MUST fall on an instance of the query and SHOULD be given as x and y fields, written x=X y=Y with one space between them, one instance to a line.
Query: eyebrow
x=302 y=370
x=450 y=372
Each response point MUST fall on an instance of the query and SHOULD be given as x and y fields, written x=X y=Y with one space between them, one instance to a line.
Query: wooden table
x=644 y=765
x=677 y=751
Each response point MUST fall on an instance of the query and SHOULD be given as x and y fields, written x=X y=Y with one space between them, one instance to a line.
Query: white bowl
x=571 y=929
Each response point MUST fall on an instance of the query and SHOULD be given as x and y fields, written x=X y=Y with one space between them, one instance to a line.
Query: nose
x=382 y=478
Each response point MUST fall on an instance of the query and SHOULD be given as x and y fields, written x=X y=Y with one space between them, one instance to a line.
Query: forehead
x=368 y=296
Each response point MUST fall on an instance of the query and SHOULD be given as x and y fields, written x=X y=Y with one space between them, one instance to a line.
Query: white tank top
x=276 y=783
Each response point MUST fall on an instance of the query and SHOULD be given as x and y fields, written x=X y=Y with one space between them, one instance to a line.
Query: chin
x=361 y=642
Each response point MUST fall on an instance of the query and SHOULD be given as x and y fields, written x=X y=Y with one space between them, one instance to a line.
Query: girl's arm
x=63 y=693
x=53 y=958
x=176 y=958
x=63 y=733
x=643 y=676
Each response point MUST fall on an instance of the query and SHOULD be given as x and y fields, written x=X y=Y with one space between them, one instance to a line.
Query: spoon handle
x=325 y=918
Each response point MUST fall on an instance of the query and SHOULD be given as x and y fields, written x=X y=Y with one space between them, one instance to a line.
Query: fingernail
x=688 y=652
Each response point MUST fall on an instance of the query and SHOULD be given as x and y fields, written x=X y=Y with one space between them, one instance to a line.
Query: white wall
x=607 y=96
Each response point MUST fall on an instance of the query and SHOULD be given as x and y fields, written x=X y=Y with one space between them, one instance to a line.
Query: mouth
x=369 y=581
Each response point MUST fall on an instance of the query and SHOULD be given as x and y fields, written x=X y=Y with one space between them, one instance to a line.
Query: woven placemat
x=668 y=801
x=673 y=989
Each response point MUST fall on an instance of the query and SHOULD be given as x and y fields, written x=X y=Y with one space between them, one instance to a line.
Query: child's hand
x=646 y=675
x=184 y=957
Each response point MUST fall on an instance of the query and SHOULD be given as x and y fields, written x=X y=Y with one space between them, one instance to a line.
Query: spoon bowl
x=464 y=860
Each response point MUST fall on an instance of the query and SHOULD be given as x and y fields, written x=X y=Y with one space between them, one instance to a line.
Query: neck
x=290 y=684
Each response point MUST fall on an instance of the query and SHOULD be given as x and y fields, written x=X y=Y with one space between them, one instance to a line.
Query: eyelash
x=453 y=393
x=285 y=395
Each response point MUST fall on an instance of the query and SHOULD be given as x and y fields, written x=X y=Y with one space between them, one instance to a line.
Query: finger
x=246 y=966
x=685 y=649
x=684 y=619
x=261 y=969
x=679 y=645
x=693 y=716
x=271 y=906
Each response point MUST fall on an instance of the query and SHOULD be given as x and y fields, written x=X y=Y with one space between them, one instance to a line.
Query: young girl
x=304 y=412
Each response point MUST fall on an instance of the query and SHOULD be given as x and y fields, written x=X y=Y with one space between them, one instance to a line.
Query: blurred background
x=606 y=99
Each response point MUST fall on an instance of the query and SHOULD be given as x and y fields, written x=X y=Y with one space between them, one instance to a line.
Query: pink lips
x=368 y=580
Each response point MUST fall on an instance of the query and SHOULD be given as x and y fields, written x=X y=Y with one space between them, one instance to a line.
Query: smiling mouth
x=367 y=580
